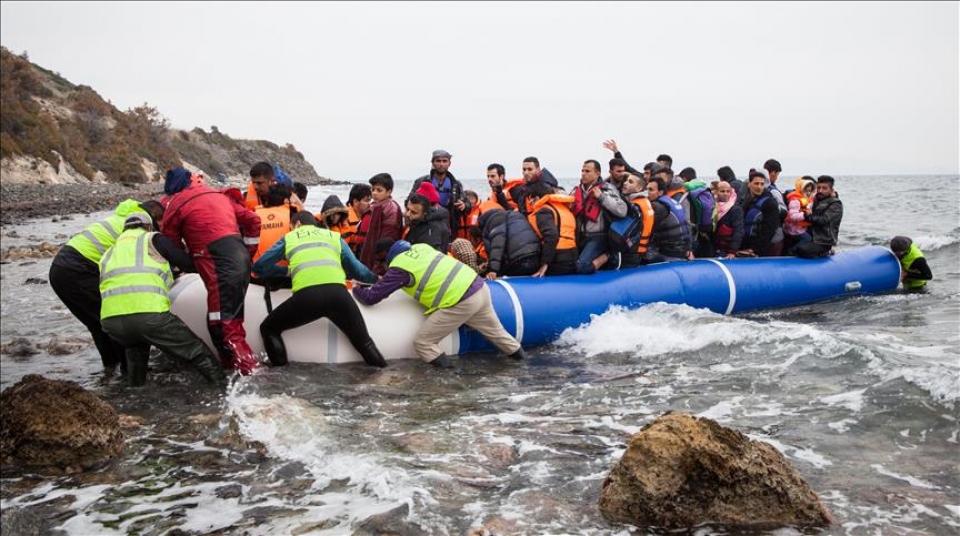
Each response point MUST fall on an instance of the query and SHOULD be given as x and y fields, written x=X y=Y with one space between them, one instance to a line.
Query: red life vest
x=585 y=203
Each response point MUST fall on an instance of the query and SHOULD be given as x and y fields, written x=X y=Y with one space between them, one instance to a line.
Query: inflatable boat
x=537 y=310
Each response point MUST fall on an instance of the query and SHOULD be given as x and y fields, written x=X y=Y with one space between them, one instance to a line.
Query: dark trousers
x=810 y=250
x=523 y=266
x=164 y=330
x=225 y=272
x=331 y=301
x=79 y=290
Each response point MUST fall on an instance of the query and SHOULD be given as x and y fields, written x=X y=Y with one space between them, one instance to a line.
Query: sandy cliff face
x=32 y=170
x=55 y=132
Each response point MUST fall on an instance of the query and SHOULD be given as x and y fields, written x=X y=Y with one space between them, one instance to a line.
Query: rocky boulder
x=56 y=424
x=682 y=471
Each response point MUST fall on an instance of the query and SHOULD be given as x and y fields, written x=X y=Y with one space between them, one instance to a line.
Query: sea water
x=859 y=394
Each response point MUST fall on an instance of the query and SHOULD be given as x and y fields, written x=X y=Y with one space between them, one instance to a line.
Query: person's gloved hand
x=245 y=365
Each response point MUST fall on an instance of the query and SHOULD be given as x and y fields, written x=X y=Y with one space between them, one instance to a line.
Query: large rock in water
x=683 y=471
x=59 y=424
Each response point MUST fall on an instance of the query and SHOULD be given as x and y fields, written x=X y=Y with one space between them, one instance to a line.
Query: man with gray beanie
x=449 y=188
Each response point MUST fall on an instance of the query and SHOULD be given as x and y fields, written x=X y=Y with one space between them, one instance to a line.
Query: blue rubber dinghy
x=537 y=310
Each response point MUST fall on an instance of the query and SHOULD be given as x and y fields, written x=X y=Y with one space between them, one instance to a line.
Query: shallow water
x=860 y=395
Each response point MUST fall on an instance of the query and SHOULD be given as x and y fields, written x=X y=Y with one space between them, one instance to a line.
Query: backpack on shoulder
x=703 y=206
x=624 y=233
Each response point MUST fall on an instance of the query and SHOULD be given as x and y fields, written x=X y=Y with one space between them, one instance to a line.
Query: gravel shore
x=19 y=202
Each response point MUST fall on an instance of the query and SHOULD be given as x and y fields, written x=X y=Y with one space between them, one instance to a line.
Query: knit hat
x=176 y=180
x=427 y=190
x=462 y=250
x=396 y=248
x=900 y=244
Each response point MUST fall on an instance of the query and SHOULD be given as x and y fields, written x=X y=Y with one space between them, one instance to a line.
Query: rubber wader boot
x=209 y=368
x=372 y=356
x=442 y=361
x=519 y=355
x=276 y=349
x=137 y=366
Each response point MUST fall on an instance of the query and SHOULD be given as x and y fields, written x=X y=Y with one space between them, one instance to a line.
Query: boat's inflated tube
x=537 y=310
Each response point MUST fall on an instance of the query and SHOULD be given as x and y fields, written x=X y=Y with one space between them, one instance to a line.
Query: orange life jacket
x=647 y=216
x=468 y=222
x=350 y=225
x=274 y=223
x=566 y=223
x=803 y=205
x=507 y=187
x=481 y=252
x=252 y=200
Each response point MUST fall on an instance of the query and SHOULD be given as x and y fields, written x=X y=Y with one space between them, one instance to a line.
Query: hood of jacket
x=128 y=207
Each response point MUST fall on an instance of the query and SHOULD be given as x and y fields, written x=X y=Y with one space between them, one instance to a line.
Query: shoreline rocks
x=681 y=471
x=19 y=202
x=56 y=425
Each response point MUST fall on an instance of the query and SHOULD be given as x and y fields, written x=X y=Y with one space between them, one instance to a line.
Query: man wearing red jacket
x=221 y=236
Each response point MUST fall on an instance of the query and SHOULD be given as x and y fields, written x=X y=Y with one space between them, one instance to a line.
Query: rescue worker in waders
x=221 y=236
x=915 y=272
x=135 y=280
x=75 y=277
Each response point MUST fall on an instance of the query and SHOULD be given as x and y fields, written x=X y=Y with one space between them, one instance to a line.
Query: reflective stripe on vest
x=97 y=238
x=314 y=257
x=439 y=280
x=912 y=255
x=131 y=281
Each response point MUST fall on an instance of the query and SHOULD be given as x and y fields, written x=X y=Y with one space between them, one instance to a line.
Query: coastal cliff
x=53 y=131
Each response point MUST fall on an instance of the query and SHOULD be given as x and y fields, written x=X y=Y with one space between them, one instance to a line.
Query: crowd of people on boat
x=438 y=246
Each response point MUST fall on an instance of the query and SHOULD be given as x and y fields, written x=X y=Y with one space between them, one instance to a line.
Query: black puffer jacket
x=825 y=220
x=433 y=230
x=508 y=238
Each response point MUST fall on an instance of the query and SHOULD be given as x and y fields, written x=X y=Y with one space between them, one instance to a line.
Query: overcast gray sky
x=359 y=88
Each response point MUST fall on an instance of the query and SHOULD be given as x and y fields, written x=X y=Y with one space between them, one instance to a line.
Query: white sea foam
x=929 y=243
x=661 y=328
x=293 y=429
x=722 y=411
x=807 y=455
x=842 y=426
x=852 y=400
x=913 y=481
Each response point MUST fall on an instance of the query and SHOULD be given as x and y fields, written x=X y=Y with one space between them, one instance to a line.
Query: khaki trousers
x=476 y=312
